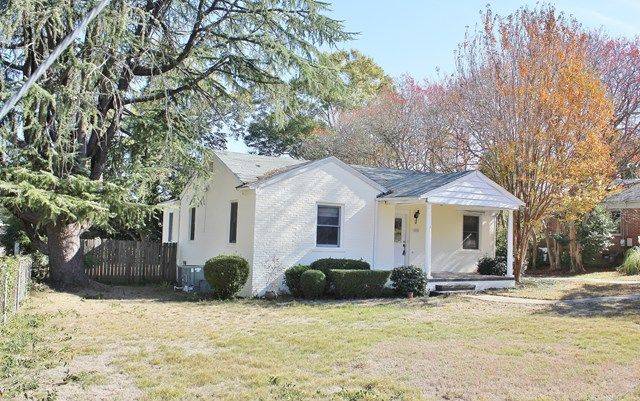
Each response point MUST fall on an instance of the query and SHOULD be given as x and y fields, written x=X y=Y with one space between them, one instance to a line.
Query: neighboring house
x=625 y=211
x=278 y=212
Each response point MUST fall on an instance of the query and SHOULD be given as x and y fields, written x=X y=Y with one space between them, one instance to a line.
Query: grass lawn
x=151 y=344
x=564 y=289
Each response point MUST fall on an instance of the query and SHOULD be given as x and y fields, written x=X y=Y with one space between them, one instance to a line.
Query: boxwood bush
x=406 y=279
x=312 y=283
x=492 y=266
x=631 y=263
x=292 y=279
x=326 y=265
x=226 y=274
x=359 y=283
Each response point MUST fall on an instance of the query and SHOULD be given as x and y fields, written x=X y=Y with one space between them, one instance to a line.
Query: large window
x=170 y=228
x=328 y=230
x=233 y=223
x=470 y=232
x=192 y=223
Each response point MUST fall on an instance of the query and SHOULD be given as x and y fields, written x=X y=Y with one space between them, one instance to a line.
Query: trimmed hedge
x=292 y=279
x=492 y=266
x=359 y=283
x=312 y=283
x=226 y=274
x=326 y=265
x=408 y=279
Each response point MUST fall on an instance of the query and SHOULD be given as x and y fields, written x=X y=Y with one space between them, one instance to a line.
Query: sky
x=419 y=37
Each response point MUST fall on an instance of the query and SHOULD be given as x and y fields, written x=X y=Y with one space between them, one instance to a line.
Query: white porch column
x=427 y=241
x=510 y=244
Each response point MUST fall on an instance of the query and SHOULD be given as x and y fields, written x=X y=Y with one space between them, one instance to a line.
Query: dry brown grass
x=564 y=289
x=156 y=345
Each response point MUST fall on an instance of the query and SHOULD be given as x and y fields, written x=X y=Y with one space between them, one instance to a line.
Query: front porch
x=446 y=231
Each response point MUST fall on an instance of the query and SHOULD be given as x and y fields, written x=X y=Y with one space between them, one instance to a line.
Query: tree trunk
x=66 y=262
x=574 y=249
x=551 y=250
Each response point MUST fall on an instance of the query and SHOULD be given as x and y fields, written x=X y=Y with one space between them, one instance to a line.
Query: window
x=170 y=230
x=233 y=223
x=328 y=230
x=470 y=232
x=192 y=223
x=617 y=220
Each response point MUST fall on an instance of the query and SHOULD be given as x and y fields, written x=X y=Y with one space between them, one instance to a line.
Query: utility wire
x=10 y=104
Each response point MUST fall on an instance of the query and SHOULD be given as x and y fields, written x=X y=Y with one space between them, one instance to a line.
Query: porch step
x=455 y=287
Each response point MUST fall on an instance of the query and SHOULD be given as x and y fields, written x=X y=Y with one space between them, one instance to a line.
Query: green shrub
x=312 y=283
x=324 y=265
x=406 y=279
x=631 y=263
x=226 y=274
x=292 y=278
x=327 y=264
x=492 y=266
x=359 y=283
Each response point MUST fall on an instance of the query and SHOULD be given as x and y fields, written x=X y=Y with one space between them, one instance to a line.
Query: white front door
x=400 y=246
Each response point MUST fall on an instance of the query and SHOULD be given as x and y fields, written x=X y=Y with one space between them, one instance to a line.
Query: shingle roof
x=629 y=194
x=398 y=183
x=249 y=168
x=408 y=183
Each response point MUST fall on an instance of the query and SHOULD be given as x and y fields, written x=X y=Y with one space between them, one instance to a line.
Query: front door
x=400 y=240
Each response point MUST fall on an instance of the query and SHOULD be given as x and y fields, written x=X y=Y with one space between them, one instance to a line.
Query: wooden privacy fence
x=15 y=279
x=129 y=262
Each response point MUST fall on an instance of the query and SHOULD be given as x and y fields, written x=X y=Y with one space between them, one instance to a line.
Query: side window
x=192 y=223
x=328 y=226
x=470 y=232
x=233 y=223
x=170 y=228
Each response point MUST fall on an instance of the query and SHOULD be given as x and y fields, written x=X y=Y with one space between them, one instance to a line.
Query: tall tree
x=312 y=107
x=617 y=63
x=535 y=116
x=70 y=157
x=401 y=127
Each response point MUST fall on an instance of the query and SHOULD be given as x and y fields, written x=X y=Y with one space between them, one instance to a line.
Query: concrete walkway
x=532 y=301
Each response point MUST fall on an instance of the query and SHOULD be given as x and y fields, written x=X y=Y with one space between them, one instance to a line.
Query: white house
x=277 y=212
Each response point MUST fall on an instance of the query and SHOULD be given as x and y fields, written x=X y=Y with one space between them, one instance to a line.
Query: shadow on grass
x=597 y=301
x=165 y=293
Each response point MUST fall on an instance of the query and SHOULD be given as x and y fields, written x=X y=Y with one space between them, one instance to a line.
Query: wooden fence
x=129 y=262
x=15 y=279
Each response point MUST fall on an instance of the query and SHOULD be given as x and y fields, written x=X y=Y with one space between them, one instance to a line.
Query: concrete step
x=455 y=287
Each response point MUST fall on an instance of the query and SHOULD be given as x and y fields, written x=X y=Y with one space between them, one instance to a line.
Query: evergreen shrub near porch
x=226 y=274
x=406 y=279
x=359 y=283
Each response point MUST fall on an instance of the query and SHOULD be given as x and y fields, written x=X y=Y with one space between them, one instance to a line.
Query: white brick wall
x=285 y=227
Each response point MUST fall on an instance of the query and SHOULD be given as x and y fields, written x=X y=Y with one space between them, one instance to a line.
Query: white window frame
x=340 y=227
x=170 y=224
x=479 y=232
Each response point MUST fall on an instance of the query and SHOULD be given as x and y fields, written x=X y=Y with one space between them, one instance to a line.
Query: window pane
x=233 y=223
x=397 y=230
x=192 y=225
x=328 y=235
x=470 y=223
x=329 y=215
x=170 y=228
x=470 y=241
x=470 y=232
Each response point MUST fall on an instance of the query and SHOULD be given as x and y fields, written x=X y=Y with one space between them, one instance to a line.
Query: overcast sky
x=418 y=37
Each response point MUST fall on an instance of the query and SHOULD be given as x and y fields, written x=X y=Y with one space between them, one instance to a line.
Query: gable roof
x=248 y=168
x=629 y=196
x=408 y=183
x=257 y=170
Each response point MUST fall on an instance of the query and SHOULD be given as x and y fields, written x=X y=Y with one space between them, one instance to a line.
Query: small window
x=233 y=223
x=192 y=223
x=471 y=232
x=616 y=217
x=328 y=230
x=170 y=229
